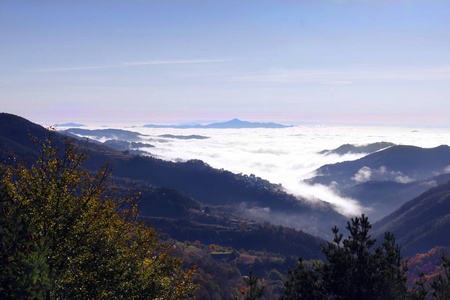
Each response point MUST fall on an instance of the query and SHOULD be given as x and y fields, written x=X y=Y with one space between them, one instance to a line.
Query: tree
x=96 y=246
x=302 y=284
x=24 y=270
x=441 y=284
x=354 y=268
x=254 y=291
x=391 y=269
x=419 y=292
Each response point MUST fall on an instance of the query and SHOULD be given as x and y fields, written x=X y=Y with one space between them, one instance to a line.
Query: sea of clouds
x=286 y=156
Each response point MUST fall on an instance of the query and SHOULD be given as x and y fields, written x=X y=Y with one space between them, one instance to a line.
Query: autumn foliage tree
x=94 y=245
x=24 y=268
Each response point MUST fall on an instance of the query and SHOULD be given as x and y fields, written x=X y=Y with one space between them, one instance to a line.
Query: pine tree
x=390 y=269
x=441 y=284
x=302 y=284
x=419 y=292
x=254 y=291
x=354 y=269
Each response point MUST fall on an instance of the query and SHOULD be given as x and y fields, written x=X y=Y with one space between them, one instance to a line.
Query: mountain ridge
x=384 y=180
x=396 y=161
x=349 y=148
x=234 y=123
x=420 y=224
x=245 y=196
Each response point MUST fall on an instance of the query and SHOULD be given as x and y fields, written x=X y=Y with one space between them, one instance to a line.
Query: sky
x=293 y=62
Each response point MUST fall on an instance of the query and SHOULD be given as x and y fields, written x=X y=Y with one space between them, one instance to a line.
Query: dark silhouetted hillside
x=421 y=223
x=109 y=134
x=383 y=197
x=15 y=137
x=384 y=180
x=397 y=163
x=175 y=190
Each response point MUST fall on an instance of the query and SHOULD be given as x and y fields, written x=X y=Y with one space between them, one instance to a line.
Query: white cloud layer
x=287 y=156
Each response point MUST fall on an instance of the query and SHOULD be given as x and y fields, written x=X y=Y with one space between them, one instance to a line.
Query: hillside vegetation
x=421 y=223
x=64 y=235
x=210 y=218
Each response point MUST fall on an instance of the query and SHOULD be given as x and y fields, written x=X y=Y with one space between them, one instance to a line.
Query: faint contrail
x=128 y=64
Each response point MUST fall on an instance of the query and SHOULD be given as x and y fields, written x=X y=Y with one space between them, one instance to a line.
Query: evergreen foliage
x=87 y=241
x=419 y=291
x=441 y=284
x=302 y=284
x=254 y=291
x=354 y=268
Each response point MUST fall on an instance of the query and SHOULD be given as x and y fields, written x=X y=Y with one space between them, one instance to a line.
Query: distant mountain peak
x=234 y=123
x=69 y=125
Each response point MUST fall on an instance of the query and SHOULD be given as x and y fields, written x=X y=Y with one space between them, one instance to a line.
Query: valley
x=242 y=222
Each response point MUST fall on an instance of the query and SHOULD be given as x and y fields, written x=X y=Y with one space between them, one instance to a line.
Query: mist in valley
x=285 y=156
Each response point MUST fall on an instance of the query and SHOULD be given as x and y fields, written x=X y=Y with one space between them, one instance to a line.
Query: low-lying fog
x=285 y=156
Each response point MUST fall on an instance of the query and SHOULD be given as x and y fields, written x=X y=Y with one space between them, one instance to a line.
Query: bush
x=94 y=246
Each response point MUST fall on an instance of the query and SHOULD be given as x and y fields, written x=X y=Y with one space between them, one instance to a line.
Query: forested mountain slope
x=384 y=180
x=421 y=223
x=397 y=163
x=197 y=185
x=383 y=197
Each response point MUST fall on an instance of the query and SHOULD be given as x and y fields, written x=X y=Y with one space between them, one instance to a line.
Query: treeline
x=242 y=235
x=426 y=265
x=353 y=268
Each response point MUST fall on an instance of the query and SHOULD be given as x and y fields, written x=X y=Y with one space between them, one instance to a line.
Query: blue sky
x=326 y=61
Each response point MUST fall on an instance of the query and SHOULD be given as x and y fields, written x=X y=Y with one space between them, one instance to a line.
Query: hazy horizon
x=129 y=125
